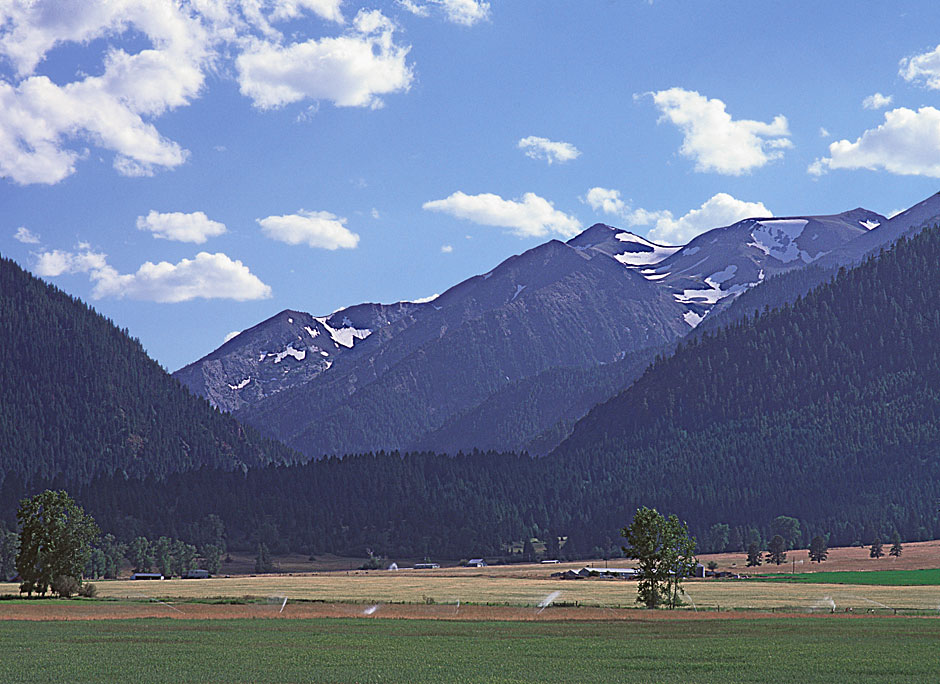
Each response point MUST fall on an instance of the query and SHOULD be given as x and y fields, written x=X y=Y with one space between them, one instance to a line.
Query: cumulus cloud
x=877 y=101
x=208 y=276
x=231 y=336
x=447 y=249
x=352 y=70
x=314 y=228
x=47 y=125
x=923 y=68
x=549 y=150
x=907 y=144
x=464 y=12
x=532 y=216
x=716 y=141
x=26 y=236
x=41 y=121
x=720 y=210
x=195 y=227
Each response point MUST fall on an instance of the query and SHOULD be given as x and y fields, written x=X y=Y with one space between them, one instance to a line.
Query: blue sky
x=193 y=168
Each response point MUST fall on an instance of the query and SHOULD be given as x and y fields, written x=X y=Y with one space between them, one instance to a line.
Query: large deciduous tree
x=776 y=552
x=818 y=549
x=665 y=554
x=55 y=540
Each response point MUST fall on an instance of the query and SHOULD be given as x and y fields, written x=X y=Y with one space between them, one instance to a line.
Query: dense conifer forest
x=826 y=410
x=79 y=398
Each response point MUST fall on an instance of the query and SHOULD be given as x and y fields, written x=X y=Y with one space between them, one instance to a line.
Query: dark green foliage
x=55 y=541
x=9 y=542
x=664 y=553
x=263 y=562
x=753 y=555
x=79 y=398
x=141 y=555
x=788 y=528
x=818 y=549
x=718 y=536
x=65 y=586
x=896 y=548
x=776 y=551
x=88 y=590
x=877 y=549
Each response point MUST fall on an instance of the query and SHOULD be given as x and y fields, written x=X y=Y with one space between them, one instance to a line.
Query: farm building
x=427 y=566
x=476 y=563
x=196 y=574
x=146 y=576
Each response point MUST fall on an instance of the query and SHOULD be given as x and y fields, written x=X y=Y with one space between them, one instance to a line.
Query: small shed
x=476 y=563
x=146 y=576
x=427 y=566
x=196 y=573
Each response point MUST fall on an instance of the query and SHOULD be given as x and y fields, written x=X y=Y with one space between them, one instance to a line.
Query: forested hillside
x=79 y=398
x=827 y=411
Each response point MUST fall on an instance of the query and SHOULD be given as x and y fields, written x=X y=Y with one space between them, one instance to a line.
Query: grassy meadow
x=350 y=650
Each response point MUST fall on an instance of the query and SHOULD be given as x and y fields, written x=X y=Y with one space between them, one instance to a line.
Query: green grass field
x=886 y=578
x=827 y=649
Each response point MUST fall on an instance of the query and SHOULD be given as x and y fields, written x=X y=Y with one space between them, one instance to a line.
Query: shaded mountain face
x=388 y=376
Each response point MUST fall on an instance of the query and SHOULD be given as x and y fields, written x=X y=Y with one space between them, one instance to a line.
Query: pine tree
x=818 y=549
x=896 y=548
x=776 y=553
x=877 y=549
x=753 y=555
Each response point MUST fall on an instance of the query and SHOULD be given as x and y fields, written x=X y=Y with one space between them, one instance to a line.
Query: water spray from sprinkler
x=547 y=601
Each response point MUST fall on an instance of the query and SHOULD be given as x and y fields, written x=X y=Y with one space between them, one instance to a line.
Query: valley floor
x=830 y=649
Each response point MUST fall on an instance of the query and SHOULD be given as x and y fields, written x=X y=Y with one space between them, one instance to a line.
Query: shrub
x=88 y=590
x=65 y=586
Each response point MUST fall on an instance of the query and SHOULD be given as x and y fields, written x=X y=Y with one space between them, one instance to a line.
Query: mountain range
x=512 y=358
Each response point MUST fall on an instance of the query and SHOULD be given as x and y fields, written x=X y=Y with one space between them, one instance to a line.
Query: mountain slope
x=554 y=306
x=446 y=374
x=79 y=398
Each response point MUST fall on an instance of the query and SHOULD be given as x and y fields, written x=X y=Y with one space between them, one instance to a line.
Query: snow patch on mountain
x=692 y=318
x=311 y=331
x=777 y=238
x=519 y=289
x=713 y=293
x=347 y=335
x=642 y=252
x=299 y=354
x=869 y=225
x=241 y=385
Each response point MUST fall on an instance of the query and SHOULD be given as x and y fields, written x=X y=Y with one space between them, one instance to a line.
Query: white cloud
x=26 y=236
x=352 y=70
x=924 y=67
x=447 y=249
x=464 y=12
x=716 y=141
x=823 y=133
x=550 y=151
x=877 y=101
x=720 y=210
x=314 y=228
x=208 y=276
x=907 y=143
x=41 y=121
x=195 y=227
x=47 y=125
x=231 y=336
x=291 y=9
x=375 y=214
x=532 y=216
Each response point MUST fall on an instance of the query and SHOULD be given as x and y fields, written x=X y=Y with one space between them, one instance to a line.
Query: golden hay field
x=476 y=587
x=527 y=585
